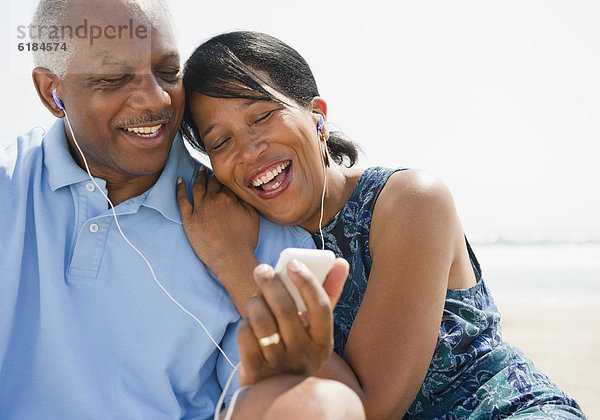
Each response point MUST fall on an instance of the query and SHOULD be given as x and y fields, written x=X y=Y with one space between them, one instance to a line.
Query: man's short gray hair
x=53 y=14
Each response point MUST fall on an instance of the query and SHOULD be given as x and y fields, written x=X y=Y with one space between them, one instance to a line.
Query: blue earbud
x=320 y=124
x=57 y=101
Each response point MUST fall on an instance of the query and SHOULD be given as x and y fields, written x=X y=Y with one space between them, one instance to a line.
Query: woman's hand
x=223 y=232
x=296 y=346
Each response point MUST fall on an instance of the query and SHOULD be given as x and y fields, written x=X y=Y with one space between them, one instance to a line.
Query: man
x=90 y=328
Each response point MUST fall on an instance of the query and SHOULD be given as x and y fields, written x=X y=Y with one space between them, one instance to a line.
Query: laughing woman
x=417 y=333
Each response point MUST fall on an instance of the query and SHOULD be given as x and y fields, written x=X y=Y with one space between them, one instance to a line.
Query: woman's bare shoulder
x=415 y=193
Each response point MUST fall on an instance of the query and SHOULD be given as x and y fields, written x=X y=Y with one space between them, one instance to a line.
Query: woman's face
x=267 y=153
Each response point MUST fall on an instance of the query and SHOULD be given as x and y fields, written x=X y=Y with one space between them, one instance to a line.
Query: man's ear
x=45 y=82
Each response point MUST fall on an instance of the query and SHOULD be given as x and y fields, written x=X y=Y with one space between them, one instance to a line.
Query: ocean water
x=542 y=273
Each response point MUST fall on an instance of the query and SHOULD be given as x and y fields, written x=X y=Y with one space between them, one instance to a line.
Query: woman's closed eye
x=263 y=117
x=220 y=144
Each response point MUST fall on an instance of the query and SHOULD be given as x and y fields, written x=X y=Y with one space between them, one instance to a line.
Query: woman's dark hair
x=234 y=65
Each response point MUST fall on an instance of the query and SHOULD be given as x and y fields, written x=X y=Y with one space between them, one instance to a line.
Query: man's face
x=124 y=97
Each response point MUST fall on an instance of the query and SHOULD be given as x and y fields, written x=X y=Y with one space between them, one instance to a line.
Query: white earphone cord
x=112 y=207
x=323 y=194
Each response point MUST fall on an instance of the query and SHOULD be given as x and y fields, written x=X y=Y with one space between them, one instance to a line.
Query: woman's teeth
x=269 y=175
x=275 y=185
x=145 y=131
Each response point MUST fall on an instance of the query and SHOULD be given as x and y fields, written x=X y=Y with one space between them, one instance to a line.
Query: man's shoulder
x=21 y=152
x=29 y=140
x=274 y=238
x=292 y=233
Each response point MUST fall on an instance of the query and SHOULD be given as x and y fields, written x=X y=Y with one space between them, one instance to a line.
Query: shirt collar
x=62 y=169
x=162 y=196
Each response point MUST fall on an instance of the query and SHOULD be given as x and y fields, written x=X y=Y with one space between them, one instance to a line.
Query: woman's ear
x=45 y=82
x=319 y=110
x=319 y=106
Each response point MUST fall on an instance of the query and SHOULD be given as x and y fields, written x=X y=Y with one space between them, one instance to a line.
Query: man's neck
x=124 y=189
x=120 y=187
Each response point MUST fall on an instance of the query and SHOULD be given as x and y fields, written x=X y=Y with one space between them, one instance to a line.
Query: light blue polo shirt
x=85 y=332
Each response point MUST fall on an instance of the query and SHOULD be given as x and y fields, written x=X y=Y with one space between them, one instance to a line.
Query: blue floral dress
x=473 y=373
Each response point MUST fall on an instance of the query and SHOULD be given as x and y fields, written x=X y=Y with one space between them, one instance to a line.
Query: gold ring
x=267 y=341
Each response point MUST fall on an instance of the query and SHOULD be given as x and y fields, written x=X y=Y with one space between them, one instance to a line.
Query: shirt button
x=90 y=186
x=93 y=228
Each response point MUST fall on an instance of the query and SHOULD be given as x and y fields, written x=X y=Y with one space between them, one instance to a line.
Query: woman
x=416 y=331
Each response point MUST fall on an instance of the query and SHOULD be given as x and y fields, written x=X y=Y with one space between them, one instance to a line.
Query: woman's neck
x=341 y=182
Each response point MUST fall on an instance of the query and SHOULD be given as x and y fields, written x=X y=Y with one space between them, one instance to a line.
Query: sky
x=501 y=100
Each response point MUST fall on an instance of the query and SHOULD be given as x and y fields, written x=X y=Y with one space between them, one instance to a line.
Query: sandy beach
x=564 y=342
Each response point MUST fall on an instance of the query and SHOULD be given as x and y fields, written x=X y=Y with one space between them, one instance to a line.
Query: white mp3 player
x=316 y=260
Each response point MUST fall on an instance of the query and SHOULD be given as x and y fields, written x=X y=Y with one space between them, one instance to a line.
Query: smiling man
x=124 y=95
x=86 y=328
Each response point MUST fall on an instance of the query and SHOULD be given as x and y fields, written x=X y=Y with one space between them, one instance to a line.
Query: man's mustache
x=145 y=119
